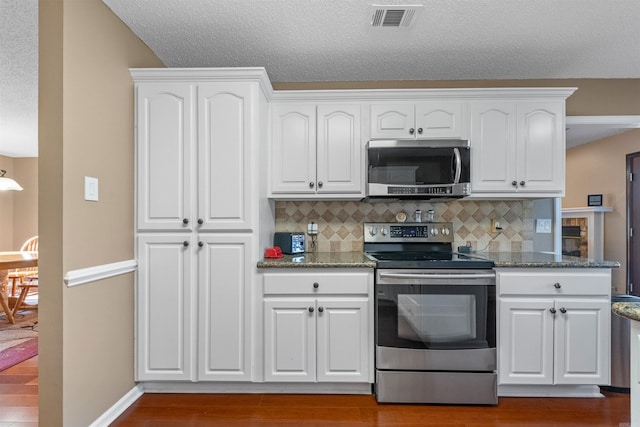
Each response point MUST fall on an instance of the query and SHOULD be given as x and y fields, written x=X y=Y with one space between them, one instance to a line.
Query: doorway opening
x=633 y=223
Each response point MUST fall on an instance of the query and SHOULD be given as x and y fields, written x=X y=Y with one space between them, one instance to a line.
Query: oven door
x=436 y=319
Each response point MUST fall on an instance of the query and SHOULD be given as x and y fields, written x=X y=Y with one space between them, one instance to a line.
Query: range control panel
x=391 y=232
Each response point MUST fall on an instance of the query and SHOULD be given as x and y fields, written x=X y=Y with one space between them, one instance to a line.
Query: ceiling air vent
x=395 y=16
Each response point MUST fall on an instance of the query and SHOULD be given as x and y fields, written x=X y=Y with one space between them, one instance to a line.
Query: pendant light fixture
x=8 y=183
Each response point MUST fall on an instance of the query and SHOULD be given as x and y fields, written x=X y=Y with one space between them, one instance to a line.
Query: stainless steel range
x=435 y=317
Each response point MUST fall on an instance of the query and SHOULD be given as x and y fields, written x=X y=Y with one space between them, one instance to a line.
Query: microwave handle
x=458 y=161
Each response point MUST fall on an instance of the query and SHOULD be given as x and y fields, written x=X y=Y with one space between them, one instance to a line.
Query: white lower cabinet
x=165 y=310
x=554 y=326
x=318 y=327
x=193 y=318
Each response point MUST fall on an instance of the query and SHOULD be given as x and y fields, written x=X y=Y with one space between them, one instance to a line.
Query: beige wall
x=6 y=208
x=25 y=202
x=19 y=209
x=600 y=168
x=86 y=129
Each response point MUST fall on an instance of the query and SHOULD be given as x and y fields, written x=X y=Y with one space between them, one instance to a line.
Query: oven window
x=435 y=317
x=415 y=166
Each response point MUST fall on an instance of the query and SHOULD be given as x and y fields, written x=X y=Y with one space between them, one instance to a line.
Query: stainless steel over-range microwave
x=418 y=169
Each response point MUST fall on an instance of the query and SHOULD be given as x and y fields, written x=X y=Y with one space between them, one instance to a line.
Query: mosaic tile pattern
x=340 y=222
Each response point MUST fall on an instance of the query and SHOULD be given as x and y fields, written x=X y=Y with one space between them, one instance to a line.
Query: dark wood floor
x=320 y=410
x=19 y=395
x=19 y=408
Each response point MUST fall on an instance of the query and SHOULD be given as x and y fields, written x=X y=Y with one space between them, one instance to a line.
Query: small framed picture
x=594 y=200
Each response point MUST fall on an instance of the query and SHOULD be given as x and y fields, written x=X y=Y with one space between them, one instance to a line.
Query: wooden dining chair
x=25 y=288
x=19 y=275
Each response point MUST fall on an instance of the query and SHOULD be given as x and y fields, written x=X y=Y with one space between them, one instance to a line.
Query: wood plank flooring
x=359 y=411
x=19 y=395
x=19 y=408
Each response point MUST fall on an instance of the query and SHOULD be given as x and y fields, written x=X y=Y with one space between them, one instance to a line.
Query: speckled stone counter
x=542 y=260
x=630 y=310
x=320 y=260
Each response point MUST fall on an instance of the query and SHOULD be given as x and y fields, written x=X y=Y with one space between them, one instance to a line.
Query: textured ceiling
x=19 y=78
x=332 y=40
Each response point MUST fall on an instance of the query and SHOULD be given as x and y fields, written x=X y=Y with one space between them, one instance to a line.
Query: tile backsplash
x=340 y=222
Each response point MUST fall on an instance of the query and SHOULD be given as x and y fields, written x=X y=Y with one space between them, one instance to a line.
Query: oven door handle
x=438 y=275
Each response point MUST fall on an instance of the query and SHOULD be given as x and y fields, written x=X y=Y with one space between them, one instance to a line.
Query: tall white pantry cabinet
x=199 y=203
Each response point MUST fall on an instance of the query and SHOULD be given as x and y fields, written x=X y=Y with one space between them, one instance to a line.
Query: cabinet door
x=441 y=120
x=225 y=136
x=164 y=146
x=493 y=147
x=582 y=341
x=289 y=343
x=343 y=344
x=339 y=149
x=165 y=308
x=525 y=341
x=393 y=121
x=541 y=145
x=293 y=161
x=224 y=284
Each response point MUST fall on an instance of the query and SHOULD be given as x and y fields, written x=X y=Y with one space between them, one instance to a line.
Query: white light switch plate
x=91 y=189
x=543 y=226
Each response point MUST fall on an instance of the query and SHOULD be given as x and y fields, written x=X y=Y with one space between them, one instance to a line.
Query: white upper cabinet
x=517 y=148
x=165 y=143
x=316 y=150
x=195 y=177
x=435 y=119
x=226 y=133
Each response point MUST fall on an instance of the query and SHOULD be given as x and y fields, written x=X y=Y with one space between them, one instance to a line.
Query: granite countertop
x=500 y=259
x=542 y=260
x=320 y=260
x=630 y=310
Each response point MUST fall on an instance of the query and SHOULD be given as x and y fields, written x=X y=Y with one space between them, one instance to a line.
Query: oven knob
x=383 y=231
x=446 y=231
x=373 y=231
x=435 y=231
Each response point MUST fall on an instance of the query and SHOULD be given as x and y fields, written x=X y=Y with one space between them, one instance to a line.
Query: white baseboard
x=119 y=407
x=273 y=388
x=585 y=391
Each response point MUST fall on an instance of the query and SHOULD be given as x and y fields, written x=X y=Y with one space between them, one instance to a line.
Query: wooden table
x=10 y=261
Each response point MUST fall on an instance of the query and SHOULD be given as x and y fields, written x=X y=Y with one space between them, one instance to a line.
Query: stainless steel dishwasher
x=620 y=364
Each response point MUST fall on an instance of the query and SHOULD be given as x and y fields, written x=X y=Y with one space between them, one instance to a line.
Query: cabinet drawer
x=554 y=283
x=327 y=283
